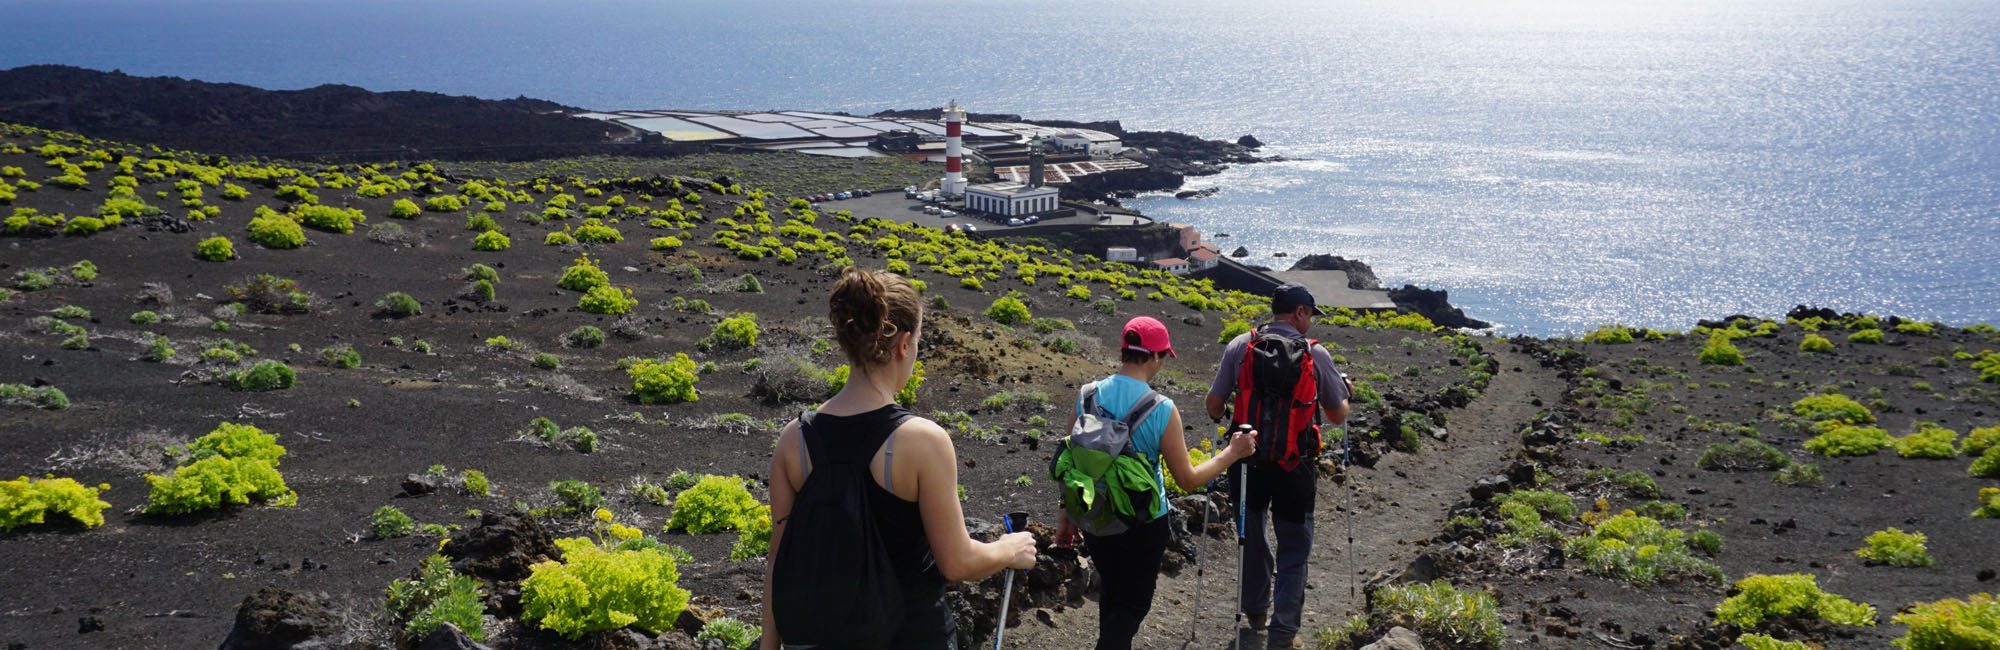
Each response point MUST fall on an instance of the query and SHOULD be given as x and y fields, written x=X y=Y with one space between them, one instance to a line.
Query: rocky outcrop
x=1434 y=304
x=1249 y=142
x=500 y=551
x=1197 y=194
x=1244 y=251
x=1359 y=276
x=1122 y=182
x=224 y=118
x=1059 y=580
x=275 y=619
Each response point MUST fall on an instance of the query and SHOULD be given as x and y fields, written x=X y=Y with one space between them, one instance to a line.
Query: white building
x=1097 y=144
x=1011 y=199
x=1205 y=257
x=1121 y=254
x=1174 y=265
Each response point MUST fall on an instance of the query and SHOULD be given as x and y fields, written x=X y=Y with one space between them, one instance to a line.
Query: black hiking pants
x=1128 y=566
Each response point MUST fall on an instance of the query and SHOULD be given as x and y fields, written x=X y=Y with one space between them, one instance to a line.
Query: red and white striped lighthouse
x=954 y=150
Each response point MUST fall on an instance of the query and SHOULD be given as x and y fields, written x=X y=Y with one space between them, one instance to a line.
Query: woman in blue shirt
x=1129 y=562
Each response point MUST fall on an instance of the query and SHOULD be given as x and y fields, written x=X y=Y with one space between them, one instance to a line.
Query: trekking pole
x=1012 y=521
x=1242 y=539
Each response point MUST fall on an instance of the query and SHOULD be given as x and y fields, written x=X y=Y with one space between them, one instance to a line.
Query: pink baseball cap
x=1151 y=335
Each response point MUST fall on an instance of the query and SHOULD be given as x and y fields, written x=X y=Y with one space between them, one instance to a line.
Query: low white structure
x=1121 y=254
x=1174 y=265
x=1011 y=199
x=1097 y=144
x=1204 y=258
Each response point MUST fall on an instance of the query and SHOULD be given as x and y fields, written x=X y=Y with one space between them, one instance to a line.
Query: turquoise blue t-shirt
x=1116 y=394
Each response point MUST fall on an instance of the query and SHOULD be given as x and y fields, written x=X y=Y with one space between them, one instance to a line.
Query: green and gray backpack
x=1107 y=487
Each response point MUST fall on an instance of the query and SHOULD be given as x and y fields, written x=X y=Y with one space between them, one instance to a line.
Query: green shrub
x=575 y=497
x=1052 y=325
x=1815 y=343
x=1720 y=352
x=404 y=209
x=1609 y=335
x=1987 y=465
x=482 y=222
x=1896 y=548
x=1951 y=624
x=1980 y=440
x=1008 y=310
x=1761 y=598
x=607 y=300
x=1743 y=455
x=558 y=238
x=399 y=305
x=594 y=589
x=482 y=272
x=664 y=382
x=583 y=275
x=908 y=395
x=1633 y=483
x=71 y=312
x=1525 y=511
x=1231 y=328
x=262 y=376
x=547 y=361
x=482 y=291
x=1442 y=614
x=1832 y=407
x=389 y=522
x=444 y=203
x=438 y=595
x=1929 y=441
x=1989 y=503
x=748 y=283
x=1662 y=510
x=715 y=504
x=597 y=233
x=215 y=249
x=475 y=482
x=1867 y=336
x=1638 y=549
x=491 y=240
x=665 y=243
x=734 y=634
x=1706 y=541
x=330 y=219
x=1797 y=474
x=753 y=540
x=233 y=464
x=272 y=230
x=159 y=350
x=736 y=332
x=1755 y=641
x=1848 y=440
x=584 y=336
x=341 y=356
x=82 y=226
x=26 y=501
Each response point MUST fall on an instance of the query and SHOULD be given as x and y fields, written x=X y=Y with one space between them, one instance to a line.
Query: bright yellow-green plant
x=583 y=275
x=329 y=218
x=1609 y=335
x=733 y=333
x=404 y=209
x=665 y=243
x=1008 y=310
x=1848 y=440
x=607 y=300
x=445 y=203
x=26 y=501
x=715 y=504
x=1980 y=440
x=1459 y=618
x=1815 y=343
x=753 y=539
x=595 y=589
x=1832 y=406
x=1929 y=441
x=272 y=230
x=1720 y=352
x=1989 y=503
x=1987 y=465
x=1765 y=597
x=1952 y=624
x=215 y=249
x=1638 y=549
x=491 y=240
x=1868 y=337
x=1755 y=641
x=592 y=231
x=234 y=464
x=1231 y=328
x=664 y=382
x=1896 y=548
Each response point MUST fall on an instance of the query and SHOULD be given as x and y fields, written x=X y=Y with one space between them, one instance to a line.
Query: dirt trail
x=1400 y=503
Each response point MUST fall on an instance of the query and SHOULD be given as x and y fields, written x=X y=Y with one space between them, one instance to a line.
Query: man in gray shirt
x=1285 y=488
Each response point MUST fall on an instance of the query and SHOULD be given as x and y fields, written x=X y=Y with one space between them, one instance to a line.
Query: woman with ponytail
x=910 y=491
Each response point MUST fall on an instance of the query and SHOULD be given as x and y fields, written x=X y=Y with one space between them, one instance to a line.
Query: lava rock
x=417 y=485
x=1486 y=488
x=449 y=637
x=500 y=551
x=1359 y=275
x=1244 y=251
x=1249 y=142
x=89 y=624
x=273 y=618
x=1397 y=638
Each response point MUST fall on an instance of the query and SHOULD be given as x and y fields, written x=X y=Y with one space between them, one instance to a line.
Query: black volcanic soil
x=353 y=434
x=237 y=119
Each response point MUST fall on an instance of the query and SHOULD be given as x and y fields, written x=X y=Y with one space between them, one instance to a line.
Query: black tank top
x=927 y=623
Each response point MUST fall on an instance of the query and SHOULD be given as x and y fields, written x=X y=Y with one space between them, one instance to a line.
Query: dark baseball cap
x=1290 y=296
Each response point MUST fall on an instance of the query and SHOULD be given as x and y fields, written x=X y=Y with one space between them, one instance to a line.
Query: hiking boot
x=1258 y=622
x=1293 y=644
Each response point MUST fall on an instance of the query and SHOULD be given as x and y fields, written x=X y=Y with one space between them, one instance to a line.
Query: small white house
x=1204 y=258
x=1097 y=144
x=1174 y=265
x=1121 y=254
x=1011 y=199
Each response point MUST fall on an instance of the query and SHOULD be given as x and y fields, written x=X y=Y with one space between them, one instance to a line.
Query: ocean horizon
x=1554 y=165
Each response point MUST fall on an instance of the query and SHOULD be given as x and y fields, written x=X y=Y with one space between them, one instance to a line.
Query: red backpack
x=1277 y=393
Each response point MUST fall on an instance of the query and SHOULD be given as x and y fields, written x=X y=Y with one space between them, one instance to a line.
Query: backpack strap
x=1143 y=409
x=1090 y=405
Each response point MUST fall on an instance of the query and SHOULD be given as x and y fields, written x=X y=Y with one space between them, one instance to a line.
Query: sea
x=1553 y=164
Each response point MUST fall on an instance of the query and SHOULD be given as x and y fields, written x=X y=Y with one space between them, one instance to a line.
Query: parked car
x=1014 y=222
x=1033 y=219
x=930 y=209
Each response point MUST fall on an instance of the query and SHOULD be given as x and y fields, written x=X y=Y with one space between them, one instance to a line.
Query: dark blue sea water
x=1554 y=164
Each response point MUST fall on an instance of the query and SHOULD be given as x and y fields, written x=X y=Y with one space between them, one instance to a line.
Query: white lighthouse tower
x=954 y=150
